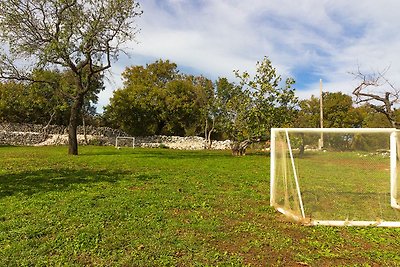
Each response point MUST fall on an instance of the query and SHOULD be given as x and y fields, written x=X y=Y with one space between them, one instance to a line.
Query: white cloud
x=308 y=39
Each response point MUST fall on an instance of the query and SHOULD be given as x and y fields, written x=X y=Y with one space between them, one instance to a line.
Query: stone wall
x=38 y=135
x=57 y=129
x=177 y=142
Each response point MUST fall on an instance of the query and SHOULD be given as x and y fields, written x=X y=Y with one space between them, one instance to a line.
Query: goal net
x=124 y=141
x=336 y=176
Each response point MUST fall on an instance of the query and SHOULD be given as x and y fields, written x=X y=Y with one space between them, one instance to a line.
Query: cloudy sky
x=308 y=40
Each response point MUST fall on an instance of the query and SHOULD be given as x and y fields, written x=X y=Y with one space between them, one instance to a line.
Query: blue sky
x=308 y=40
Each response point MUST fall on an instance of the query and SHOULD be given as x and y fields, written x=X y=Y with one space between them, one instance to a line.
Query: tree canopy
x=338 y=112
x=157 y=99
x=82 y=37
x=42 y=103
x=257 y=104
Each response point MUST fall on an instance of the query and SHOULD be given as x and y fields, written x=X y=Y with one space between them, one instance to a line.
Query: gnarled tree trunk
x=239 y=148
x=73 y=125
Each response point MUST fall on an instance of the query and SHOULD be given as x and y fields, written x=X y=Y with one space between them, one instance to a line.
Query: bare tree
x=382 y=101
x=80 y=36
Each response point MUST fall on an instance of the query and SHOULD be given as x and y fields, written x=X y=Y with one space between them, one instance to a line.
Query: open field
x=158 y=207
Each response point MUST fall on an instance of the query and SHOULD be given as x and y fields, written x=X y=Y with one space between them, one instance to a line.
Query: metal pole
x=321 y=113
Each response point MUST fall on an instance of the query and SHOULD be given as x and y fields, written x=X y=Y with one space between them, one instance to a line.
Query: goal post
x=127 y=141
x=352 y=180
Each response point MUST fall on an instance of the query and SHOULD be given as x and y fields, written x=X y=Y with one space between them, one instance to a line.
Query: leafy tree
x=33 y=103
x=139 y=107
x=182 y=104
x=207 y=105
x=251 y=108
x=338 y=112
x=157 y=99
x=12 y=102
x=47 y=103
x=81 y=37
x=42 y=103
x=308 y=115
x=373 y=118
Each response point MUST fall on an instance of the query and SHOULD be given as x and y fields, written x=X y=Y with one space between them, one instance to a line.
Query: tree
x=338 y=111
x=308 y=115
x=251 y=108
x=43 y=103
x=157 y=99
x=12 y=102
x=372 y=118
x=139 y=107
x=82 y=37
x=381 y=102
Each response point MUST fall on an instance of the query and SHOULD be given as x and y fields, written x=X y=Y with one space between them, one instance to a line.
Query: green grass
x=158 y=207
x=340 y=186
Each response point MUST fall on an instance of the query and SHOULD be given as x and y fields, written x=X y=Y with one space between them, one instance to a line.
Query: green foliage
x=43 y=102
x=338 y=111
x=79 y=37
x=375 y=119
x=157 y=99
x=308 y=115
x=13 y=98
x=257 y=103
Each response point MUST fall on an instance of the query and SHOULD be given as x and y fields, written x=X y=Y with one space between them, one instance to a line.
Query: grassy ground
x=339 y=186
x=160 y=207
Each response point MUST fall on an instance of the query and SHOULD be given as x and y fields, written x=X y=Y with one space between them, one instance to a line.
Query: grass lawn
x=346 y=186
x=158 y=207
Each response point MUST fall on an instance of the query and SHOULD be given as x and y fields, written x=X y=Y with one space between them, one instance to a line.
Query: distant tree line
x=45 y=103
x=157 y=99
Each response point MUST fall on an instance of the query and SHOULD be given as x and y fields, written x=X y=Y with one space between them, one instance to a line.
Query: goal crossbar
x=336 y=130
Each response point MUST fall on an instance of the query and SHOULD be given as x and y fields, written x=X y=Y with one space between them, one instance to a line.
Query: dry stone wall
x=38 y=135
x=178 y=142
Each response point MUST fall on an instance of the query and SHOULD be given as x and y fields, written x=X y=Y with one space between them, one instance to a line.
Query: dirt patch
x=252 y=235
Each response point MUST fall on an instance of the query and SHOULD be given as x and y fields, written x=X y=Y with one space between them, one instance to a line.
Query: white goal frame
x=124 y=137
x=307 y=221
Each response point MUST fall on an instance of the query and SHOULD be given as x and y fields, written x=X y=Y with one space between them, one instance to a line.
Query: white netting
x=124 y=141
x=348 y=180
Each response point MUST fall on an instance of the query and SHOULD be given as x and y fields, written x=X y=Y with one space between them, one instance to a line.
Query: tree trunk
x=84 y=129
x=209 y=141
x=73 y=125
x=302 y=148
x=205 y=134
x=239 y=148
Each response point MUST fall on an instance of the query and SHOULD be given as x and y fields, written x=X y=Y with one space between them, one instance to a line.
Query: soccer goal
x=336 y=176
x=125 y=141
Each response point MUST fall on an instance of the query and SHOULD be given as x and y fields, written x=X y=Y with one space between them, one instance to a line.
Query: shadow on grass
x=32 y=182
x=147 y=177
x=163 y=153
x=172 y=154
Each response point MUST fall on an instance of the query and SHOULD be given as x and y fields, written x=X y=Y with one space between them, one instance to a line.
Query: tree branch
x=388 y=98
